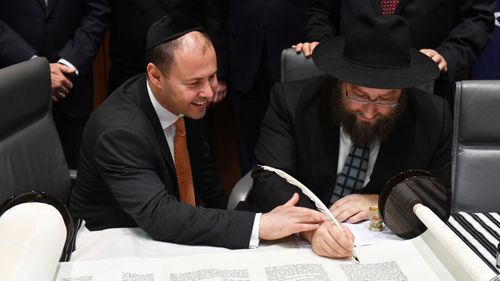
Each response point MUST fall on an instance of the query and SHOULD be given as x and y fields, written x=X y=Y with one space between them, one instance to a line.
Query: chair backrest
x=31 y=156
x=476 y=147
x=295 y=66
x=240 y=191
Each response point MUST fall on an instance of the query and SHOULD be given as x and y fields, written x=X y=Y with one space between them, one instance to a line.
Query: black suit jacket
x=127 y=177
x=129 y=24
x=258 y=25
x=72 y=30
x=299 y=135
x=458 y=29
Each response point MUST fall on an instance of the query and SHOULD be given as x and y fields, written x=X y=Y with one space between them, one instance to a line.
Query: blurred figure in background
x=129 y=24
x=258 y=31
x=452 y=33
x=69 y=34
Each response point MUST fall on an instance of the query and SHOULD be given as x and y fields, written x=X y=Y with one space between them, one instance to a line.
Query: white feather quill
x=319 y=205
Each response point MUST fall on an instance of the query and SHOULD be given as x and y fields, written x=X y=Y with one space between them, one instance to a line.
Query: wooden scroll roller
x=413 y=202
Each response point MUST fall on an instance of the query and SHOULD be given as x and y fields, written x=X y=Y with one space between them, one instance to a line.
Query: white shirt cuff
x=67 y=63
x=254 y=239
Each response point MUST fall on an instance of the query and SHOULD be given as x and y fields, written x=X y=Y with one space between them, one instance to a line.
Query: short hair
x=162 y=56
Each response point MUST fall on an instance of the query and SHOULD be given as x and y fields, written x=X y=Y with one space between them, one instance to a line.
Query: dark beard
x=364 y=133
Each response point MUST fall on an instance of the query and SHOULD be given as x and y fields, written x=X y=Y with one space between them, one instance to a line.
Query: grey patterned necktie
x=353 y=173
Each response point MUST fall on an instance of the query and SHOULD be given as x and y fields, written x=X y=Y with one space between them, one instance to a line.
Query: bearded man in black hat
x=345 y=134
x=145 y=162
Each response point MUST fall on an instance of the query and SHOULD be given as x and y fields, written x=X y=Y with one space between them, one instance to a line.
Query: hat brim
x=328 y=57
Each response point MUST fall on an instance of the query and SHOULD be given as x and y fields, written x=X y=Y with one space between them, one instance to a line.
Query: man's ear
x=155 y=75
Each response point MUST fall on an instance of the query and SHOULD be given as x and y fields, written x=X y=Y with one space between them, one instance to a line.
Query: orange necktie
x=182 y=164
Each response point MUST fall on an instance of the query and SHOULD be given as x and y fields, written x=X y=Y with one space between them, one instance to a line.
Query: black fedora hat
x=376 y=53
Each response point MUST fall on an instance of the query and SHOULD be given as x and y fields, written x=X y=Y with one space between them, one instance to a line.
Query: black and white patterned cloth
x=353 y=173
x=480 y=232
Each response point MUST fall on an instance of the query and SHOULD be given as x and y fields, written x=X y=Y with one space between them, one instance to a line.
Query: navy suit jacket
x=299 y=135
x=72 y=30
x=127 y=177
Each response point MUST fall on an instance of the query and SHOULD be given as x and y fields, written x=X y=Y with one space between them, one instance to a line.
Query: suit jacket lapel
x=400 y=6
x=330 y=132
x=147 y=107
x=51 y=5
x=376 y=5
x=42 y=4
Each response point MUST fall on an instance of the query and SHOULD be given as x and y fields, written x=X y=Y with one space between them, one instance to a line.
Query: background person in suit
x=452 y=33
x=69 y=35
x=346 y=134
x=129 y=24
x=132 y=170
x=258 y=31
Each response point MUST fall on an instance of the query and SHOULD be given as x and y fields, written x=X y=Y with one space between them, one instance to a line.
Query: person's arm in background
x=81 y=50
x=78 y=54
x=467 y=40
x=13 y=48
x=321 y=17
x=214 y=14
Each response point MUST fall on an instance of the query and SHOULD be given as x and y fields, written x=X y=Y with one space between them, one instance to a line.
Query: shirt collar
x=166 y=117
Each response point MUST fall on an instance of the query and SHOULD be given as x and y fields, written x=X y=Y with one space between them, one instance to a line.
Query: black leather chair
x=31 y=156
x=476 y=147
x=294 y=66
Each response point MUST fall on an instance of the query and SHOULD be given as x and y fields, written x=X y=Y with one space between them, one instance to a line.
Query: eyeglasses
x=364 y=101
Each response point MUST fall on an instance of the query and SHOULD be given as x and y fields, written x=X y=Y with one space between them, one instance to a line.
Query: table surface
x=479 y=231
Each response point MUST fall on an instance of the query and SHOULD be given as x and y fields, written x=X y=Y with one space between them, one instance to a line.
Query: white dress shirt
x=345 y=145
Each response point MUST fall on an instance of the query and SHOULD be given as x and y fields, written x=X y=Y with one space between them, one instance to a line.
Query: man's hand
x=437 y=58
x=287 y=219
x=329 y=241
x=220 y=92
x=354 y=207
x=60 y=80
x=306 y=48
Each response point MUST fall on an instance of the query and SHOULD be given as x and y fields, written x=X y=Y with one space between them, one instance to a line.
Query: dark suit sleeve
x=319 y=20
x=128 y=168
x=13 y=48
x=276 y=148
x=83 y=47
x=467 y=40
